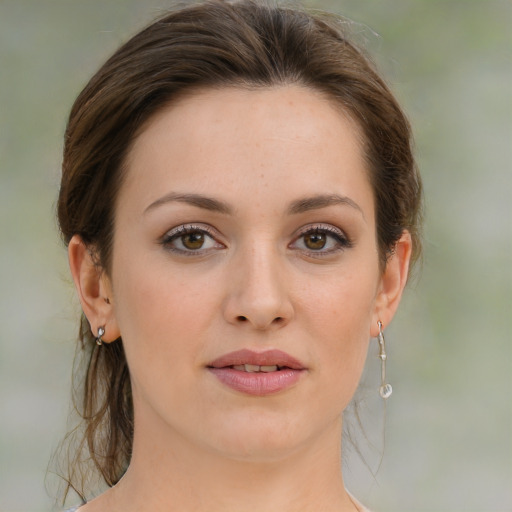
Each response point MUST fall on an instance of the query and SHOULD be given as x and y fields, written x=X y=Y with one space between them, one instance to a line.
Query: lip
x=266 y=358
x=258 y=383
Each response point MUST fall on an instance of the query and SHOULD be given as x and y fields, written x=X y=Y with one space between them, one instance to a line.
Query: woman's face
x=245 y=235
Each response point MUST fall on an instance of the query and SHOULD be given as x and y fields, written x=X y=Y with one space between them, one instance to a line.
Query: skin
x=258 y=282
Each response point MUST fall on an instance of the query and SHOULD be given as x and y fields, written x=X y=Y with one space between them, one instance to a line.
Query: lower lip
x=257 y=383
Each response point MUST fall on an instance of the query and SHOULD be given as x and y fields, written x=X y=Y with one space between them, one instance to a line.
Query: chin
x=260 y=437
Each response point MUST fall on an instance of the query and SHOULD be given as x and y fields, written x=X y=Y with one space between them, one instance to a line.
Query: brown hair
x=215 y=43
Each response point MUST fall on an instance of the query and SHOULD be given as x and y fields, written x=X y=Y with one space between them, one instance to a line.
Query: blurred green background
x=448 y=432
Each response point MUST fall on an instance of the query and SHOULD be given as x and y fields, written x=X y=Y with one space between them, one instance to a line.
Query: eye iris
x=193 y=240
x=315 y=241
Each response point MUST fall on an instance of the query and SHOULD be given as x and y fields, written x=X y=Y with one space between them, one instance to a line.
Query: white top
x=360 y=506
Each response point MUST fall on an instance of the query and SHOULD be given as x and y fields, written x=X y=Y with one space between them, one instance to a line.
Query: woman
x=240 y=204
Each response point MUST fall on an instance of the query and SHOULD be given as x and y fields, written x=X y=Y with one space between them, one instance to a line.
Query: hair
x=213 y=44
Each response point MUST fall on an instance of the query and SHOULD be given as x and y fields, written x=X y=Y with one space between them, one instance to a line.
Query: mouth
x=254 y=368
x=257 y=373
x=250 y=361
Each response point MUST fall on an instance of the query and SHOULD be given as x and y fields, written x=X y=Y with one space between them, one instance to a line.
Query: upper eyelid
x=329 y=228
x=190 y=227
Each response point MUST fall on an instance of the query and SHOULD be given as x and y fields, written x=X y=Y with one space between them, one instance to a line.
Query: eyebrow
x=321 y=201
x=302 y=205
x=206 y=203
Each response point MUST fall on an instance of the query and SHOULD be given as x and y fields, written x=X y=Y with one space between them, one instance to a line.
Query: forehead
x=233 y=141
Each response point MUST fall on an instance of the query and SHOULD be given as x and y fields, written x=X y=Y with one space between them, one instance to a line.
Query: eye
x=190 y=240
x=315 y=241
x=321 y=240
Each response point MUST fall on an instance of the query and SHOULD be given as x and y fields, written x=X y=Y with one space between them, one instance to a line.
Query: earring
x=101 y=332
x=385 y=389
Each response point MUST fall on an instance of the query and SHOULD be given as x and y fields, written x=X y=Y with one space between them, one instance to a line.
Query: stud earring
x=385 y=389
x=101 y=332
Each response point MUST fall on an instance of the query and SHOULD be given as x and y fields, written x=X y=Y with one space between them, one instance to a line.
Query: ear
x=392 y=283
x=93 y=288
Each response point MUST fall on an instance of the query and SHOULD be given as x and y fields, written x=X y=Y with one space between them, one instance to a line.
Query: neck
x=169 y=473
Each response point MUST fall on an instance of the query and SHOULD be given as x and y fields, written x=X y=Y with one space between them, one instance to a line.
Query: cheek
x=340 y=316
x=161 y=315
x=161 y=307
x=342 y=301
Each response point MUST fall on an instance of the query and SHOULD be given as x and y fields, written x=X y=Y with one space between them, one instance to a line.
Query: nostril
x=277 y=321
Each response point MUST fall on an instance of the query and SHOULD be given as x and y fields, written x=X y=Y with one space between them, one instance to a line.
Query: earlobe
x=392 y=284
x=93 y=288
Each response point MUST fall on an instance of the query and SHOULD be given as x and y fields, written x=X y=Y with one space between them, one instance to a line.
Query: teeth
x=253 y=368
x=268 y=368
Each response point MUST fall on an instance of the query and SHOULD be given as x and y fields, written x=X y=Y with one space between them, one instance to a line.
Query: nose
x=259 y=293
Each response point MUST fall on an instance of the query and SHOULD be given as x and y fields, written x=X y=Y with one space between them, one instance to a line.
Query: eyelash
x=179 y=232
x=341 y=241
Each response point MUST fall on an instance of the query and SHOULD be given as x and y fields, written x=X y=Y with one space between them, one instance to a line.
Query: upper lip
x=266 y=358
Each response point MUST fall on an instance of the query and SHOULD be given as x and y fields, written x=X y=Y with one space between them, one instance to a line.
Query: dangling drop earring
x=385 y=389
x=101 y=332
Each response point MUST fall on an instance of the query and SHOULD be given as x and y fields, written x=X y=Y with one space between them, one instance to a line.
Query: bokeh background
x=448 y=425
